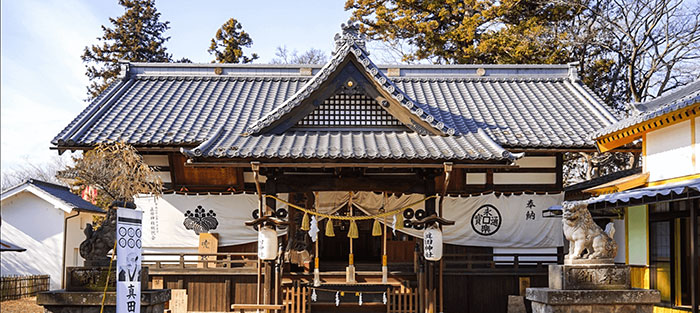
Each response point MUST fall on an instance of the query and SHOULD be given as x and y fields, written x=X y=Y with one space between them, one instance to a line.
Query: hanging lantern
x=267 y=243
x=432 y=243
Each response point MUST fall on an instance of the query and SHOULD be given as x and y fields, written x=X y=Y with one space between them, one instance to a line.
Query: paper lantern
x=432 y=244
x=267 y=243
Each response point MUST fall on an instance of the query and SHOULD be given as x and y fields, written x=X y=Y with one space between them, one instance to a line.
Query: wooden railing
x=499 y=261
x=230 y=260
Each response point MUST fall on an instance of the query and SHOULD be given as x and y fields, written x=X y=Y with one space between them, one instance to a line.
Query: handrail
x=216 y=260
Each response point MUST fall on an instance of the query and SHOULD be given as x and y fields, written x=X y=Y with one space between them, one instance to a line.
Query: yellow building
x=660 y=202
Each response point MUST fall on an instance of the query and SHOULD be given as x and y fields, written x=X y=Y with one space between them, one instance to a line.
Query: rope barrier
x=351 y=218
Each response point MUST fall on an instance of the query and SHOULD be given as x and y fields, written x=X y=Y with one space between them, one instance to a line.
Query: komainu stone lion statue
x=586 y=239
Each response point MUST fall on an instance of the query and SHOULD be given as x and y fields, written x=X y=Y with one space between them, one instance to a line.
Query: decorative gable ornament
x=350 y=35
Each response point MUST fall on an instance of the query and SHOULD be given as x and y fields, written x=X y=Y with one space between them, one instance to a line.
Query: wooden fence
x=402 y=300
x=16 y=287
x=295 y=299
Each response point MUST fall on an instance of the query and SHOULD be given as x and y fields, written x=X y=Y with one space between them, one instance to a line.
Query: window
x=669 y=251
x=350 y=109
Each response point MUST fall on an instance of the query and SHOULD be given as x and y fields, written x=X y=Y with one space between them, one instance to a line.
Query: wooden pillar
x=694 y=284
x=268 y=273
x=430 y=209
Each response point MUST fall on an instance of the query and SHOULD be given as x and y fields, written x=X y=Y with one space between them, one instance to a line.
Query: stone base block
x=60 y=301
x=546 y=300
x=589 y=277
x=92 y=278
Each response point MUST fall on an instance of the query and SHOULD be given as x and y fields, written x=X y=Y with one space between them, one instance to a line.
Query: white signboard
x=128 y=260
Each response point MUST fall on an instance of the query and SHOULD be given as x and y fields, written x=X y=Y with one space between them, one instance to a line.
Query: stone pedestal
x=92 y=278
x=591 y=288
x=60 y=301
x=589 y=276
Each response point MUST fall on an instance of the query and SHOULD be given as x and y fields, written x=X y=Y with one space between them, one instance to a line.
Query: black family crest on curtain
x=200 y=221
x=486 y=220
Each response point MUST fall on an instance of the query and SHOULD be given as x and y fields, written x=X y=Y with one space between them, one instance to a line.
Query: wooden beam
x=331 y=183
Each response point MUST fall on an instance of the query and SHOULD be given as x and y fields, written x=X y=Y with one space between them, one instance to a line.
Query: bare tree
x=643 y=47
x=117 y=171
x=311 y=56
x=33 y=170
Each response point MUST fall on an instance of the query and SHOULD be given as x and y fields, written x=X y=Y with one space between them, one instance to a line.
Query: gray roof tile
x=353 y=145
x=667 y=103
x=188 y=105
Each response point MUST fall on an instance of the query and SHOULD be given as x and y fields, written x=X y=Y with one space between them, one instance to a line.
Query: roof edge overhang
x=315 y=163
x=30 y=188
x=629 y=134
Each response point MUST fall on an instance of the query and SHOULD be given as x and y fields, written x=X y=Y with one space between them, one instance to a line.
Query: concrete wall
x=37 y=226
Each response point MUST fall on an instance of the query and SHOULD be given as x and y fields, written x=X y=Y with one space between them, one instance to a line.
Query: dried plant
x=117 y=170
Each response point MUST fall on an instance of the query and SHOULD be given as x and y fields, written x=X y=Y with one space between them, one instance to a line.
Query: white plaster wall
x=669 y=152
x=524 y=178
x=37 y=226
x=537 y=161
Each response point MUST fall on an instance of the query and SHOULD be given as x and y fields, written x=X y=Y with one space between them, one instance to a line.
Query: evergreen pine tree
x=227 y=46
x=136 y=36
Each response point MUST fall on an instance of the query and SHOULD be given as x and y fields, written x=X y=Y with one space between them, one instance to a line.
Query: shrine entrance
x=334 y=251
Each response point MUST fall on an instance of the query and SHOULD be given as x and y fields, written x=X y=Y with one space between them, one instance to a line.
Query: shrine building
x=348 y=163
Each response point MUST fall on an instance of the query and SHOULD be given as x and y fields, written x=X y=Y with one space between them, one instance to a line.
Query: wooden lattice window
x=349 y=110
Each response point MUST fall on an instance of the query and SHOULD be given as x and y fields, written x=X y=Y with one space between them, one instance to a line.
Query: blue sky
x=43 y=81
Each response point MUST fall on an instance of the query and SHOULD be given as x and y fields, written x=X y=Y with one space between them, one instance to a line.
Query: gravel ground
x=26 y=305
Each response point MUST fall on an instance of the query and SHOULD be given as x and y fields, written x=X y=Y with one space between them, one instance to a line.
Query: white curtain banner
x=513 y=221
x=167 y=218
x=492 y=221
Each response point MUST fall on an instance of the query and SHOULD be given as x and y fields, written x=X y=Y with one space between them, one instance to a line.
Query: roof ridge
x=41 y=182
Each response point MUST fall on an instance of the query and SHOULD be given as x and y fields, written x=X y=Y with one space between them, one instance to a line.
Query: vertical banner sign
x=128 y=260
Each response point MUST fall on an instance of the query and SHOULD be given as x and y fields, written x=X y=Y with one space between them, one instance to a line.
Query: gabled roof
x=673 y=101
x=8 y=246
x=349 y=48
x=59 y=196
x=222 y=110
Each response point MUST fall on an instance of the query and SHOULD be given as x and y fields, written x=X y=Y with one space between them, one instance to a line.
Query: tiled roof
x=61 y=193
x=478 y=109
x=667 y=103
x=172 y=109
x=354 y=145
